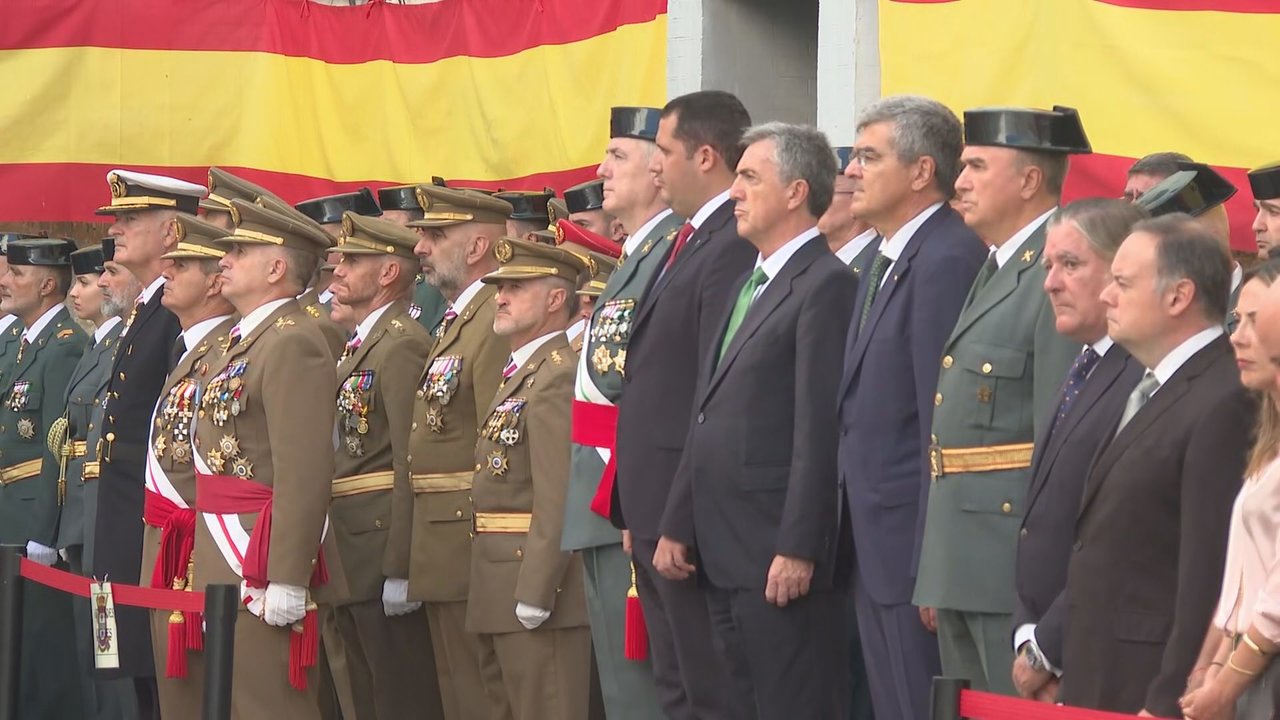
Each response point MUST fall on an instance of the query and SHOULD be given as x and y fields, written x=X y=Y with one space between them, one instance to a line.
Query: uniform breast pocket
x=991 y=376
x=365 y=516
x=27 y=407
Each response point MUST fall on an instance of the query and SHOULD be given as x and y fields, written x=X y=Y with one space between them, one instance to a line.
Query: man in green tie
x=754 y=491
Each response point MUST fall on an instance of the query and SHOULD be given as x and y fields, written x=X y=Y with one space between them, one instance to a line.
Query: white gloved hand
x=284 y=604
x=62 y=553
x=531 y=617
x=41 y=554
x=395 y=598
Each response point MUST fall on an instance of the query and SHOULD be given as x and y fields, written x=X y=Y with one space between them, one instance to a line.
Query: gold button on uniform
x=458 y=513
x=377 y=523
x=947 y=361
x=937 y=399
x=414 y=426
x=1007 y=507
x=408 y=458
x=519 y=552
x=986 y=368
x=478 y=466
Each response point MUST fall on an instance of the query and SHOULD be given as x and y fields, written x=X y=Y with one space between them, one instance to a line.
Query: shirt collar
x=576 y=329
x=1177 y=357
x=526 y=351
x=38 y=326
x=892 y=247
x=149 y=291
x=850 y=250
x=192 y=336
x=773 y=264
x=466 y=297
x=324 y=296
x=6 y=321
x=705 y=211
x=366 y=325
x=1102 y=346
x=1007 y=250
x=105 y=328
x=634 y=239
x=255 y=317
x=1237 y=276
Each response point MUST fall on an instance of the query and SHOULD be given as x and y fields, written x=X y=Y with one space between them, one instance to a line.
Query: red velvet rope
x=129 y=595
x=976 y=705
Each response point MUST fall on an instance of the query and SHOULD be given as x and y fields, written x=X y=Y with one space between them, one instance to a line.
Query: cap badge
x=423 y=199
x=179 y=230
x=117 y=187
x=235 y=215
x=502 y=251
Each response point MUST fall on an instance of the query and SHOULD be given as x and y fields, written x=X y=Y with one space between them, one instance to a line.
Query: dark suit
x=678 y=321
x=1151 y=540
x=757 y=480
x=1063 y=455
x=138 y=372
x=886 y=409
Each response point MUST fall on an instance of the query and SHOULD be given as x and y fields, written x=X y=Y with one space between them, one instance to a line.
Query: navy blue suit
x=886 y=410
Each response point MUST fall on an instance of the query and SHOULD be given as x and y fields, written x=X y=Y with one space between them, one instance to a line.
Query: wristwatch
x=1034 y=658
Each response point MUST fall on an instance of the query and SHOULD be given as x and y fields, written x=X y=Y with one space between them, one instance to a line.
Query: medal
x=497 y=463
x=26 y=428
x=160 y=446
x=434 y=422
x=181 y=452
x=509 y=437
x=242 y=468
x=229 y=446
x=355 y=448
x=601 y=360
x=216 y=461
x=362 y=426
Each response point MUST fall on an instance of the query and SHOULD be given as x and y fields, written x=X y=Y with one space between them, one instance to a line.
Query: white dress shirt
x=255 y=317
x=192 y=336
x=850 y=250
x=634 y=239
x=1013 y=244
x=38 y=326
x=102 y=330
x=892 y=247
x=773 y=264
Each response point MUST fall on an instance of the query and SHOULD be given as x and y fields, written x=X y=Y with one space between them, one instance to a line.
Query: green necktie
x=745 y=296
x=988 y=270
x=878 y=266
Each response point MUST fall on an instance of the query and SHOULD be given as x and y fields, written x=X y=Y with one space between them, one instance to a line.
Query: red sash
x=177 y=540
x=597 y=426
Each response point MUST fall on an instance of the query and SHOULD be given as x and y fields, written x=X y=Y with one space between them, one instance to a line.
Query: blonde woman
x=1236 y=678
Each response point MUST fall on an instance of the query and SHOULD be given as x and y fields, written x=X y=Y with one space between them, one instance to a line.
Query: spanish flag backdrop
x=1195 y=76
x=309 y=99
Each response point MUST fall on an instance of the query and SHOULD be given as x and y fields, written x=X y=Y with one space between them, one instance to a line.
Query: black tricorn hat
x=634 y=122
x=529 y=205
x=399 y=197
x=1265 y=182
x=52 y=252
x=87 y=261
x=1194 y=190
x=844 y=156
x=328 y=209
x=8 y=237
x=1055 y=131
x=586 y=196
x=108 y=248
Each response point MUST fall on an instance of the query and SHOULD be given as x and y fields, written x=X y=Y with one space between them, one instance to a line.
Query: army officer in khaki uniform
x=456 y=249
x=387 y=645
x=263 y=437
x=528 y=598
x=193 y=293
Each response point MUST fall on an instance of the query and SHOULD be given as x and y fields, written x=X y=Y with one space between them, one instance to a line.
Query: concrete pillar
x=848 y=64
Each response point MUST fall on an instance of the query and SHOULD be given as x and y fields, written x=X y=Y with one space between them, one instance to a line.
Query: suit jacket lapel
x=455 y=328
x=667 y=226
x=1001 y=284
x=513 y=384
x=145 y=313
x=376 y=333
x=42 y=339
x=714 y=222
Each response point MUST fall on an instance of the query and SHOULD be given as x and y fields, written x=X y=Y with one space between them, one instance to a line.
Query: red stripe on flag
x=1099 y=175
x=379 y=31
x=55 y=192
x=1231 y=6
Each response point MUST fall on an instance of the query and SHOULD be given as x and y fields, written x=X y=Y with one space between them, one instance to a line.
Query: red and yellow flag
x=1194 y=76
x=309 y=99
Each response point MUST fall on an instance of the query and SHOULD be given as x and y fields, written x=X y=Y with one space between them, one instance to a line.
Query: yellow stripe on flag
x=547 y=107
x=1143 y=80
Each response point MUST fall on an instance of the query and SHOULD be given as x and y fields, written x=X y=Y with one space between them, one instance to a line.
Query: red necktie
x=681 y=238
x=510 y=369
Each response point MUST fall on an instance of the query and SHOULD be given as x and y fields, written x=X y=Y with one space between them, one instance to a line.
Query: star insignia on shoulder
x=313 y=311
x=556 y=359
x=1027 y=255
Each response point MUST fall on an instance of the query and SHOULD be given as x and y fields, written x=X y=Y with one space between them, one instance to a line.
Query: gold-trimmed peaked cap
x=131 y=191
x=257 y=225
x=197 y=239
x=364 y=235
x=604 y=267
x=524 y=260
x=225 y=187
x=443 y=206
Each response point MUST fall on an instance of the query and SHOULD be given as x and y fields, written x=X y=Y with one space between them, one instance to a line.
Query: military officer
x=630 y=195
x=10 y=328
x=851 y=238
x=263 y=435
x=400 y=205
x=588 y=293
x=585 y=202
x=528 y=600
x=193 y=293
x=529 y=211
x=1001 y=369
x=587 y=245
x=430 y=541
x=1265 y=183
x=387 y=645
x=143 y=207
x=30 y=490
x=223 y=188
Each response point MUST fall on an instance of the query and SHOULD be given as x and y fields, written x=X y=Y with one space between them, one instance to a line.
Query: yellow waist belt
x=90 y=471
x=441 y=482
x=487 y=522
x=947 y=461
x=21 y=471
x=365 y=483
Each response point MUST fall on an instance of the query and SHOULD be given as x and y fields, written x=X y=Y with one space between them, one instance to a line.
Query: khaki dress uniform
x=266 y=415
x=519 y=492
x=386 y=657
x=459 y=380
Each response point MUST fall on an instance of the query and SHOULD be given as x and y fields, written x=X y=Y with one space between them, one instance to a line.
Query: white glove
x=531 y=617
x=62 y=553
x=284 y=605
x=395 y=598
x=41 y=554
